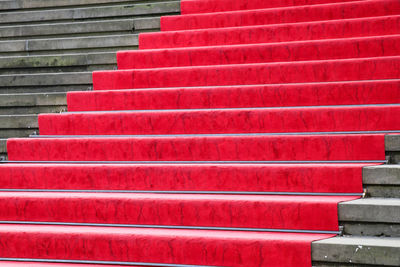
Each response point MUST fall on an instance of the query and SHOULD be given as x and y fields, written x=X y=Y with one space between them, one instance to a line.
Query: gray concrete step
x=43 y=79
x=382 y=181
x=8 y=5
x=3 y=149
x=68 y=45
x=18 y=125
x=91 y=13
x=32 y=103
x=392 y=147
x=356 y=251
x=58 y=63
x=43 y=82
x=371 y=217
x=74 y=29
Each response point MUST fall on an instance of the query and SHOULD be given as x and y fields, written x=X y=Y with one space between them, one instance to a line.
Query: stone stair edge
x=392 y=142
x=60 y=44
x=57 y=60
x=31 y=4
x=72 y=29
x=380 y=251
x=132 y=10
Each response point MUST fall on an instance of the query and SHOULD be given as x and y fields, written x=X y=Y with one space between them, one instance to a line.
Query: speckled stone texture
x=215 y=122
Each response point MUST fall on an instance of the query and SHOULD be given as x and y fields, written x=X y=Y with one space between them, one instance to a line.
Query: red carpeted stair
x=228 y=139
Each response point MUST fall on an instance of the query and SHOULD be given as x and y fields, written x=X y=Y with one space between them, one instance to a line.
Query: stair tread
x=260 y=53
x=323 y=11
x=316 y=30
x=210 y=121
x=382 y=251
x=201 y=6
x=268 y=95
x=258 y=73
x=187 y=177
x=252 y=147
x=134 y=244
x=250 y=211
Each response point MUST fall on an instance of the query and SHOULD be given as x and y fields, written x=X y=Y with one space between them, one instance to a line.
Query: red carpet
x=228 y=139
x=302 y=31
x=186 y=177
x=266 y=95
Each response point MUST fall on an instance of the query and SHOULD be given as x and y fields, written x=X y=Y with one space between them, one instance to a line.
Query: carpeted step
x=257 y=147
x=329 y=11
x=198 y=210
x=220 y=121
x=206 y=6
x=258 y=73
x=213 y=248
x=360 y=47
x=330 y=29
x=343 y=178
x=27 y=263
x=275 y=95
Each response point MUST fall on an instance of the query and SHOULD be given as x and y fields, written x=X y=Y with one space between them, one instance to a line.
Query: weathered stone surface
x=128 y=10
x=357 y=250
x=104 y=27
x=385 y=191
x=130 y=40
x=382 y=175
x=32 y=103
x=392 y=142
x=51 y=61
x=3 y=146
x=28 y=100
x=45 y=89
x=371 y=229
x=19 y=4
x=27 y=31
x=370 y=210
x=8 y=133
x=46 y=79
x=18 y=121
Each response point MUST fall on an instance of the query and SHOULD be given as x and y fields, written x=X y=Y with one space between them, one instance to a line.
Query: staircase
x=50 y=47
x=245 y=133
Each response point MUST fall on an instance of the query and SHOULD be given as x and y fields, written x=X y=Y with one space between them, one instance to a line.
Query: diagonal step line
x=212 y=135
x=104 y=262
x=197 y=162
x=228 y=109
x=174 y=227
x=180 y=192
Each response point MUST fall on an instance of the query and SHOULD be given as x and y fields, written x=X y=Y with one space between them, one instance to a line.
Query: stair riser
x=167 y=246
x=371 y=229
x=46 y=89
x=223 y=121
x=63 y=61
x=284 y=15
x=226 y=177
x=18 y=132
x=277 y=212
x=248 y=148
x=296 y=72
x=262 y=53
x=273 y=33
x=376 y=92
